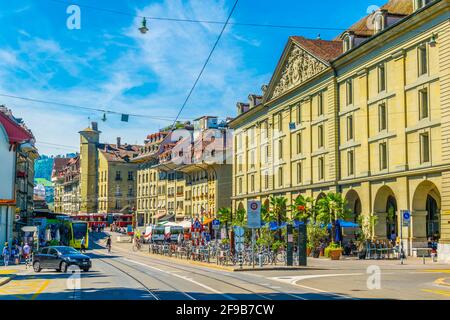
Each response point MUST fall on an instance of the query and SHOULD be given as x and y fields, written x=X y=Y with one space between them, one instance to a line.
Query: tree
x=303 y=209
x=278 y=212
x=331 y=208
x=239 y=218
x=224 y=216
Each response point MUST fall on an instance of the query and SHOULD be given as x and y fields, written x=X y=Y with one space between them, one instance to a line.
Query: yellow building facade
x=365 y=114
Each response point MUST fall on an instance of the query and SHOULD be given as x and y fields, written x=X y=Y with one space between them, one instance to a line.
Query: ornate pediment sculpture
x=298 y=67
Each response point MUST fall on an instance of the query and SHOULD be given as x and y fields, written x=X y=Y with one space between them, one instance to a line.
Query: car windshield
x=67 y=250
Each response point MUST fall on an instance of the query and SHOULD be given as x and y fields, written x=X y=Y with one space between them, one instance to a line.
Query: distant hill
x=44 y=165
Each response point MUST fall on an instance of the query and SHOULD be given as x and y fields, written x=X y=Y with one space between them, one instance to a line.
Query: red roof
x=16 y=134
x=322 y=49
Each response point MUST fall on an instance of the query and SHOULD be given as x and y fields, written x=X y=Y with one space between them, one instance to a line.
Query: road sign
x=238 y=231
x=239 y=239
x=254 y=214
x=216 y=224
x=197 y=225
x=406 y=218
x=239 y=247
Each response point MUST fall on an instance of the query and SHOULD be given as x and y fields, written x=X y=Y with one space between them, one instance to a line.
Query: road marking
x=441 y=292
x=293 y=280
x=184 y=278
x=438 y=270
x=442 y=282
x=42 y=288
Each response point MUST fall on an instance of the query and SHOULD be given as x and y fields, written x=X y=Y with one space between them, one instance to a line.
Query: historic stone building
x=101 y=179
x=366 y=114
x=66 y=181
x=184 y=173
x=148 y=177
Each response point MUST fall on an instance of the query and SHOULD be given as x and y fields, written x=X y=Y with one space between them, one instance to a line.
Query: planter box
x=335 y=254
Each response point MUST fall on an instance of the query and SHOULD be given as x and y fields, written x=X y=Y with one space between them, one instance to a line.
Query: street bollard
x=260 y=260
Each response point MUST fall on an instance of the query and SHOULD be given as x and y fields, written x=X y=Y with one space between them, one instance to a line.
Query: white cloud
x=167 y=58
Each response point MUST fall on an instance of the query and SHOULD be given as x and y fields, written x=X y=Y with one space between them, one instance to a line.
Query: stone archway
x=385 y=208
x=353 y=205
x=425 y=215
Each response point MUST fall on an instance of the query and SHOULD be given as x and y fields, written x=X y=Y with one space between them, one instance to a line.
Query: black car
x=60 y=258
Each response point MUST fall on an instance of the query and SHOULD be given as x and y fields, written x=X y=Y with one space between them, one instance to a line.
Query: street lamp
x=144 y=28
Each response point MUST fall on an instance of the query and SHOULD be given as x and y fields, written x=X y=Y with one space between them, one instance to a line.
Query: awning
x=167 y=217
x=15 y=133
x=185 y=224
x=207 y=220
x=159 y=215
x=345 y=224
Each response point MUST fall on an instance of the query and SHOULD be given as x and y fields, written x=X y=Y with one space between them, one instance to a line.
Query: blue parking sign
x=406 y=215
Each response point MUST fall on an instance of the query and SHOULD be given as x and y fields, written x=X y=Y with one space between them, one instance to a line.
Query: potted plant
x=333 y=251
x=315 y=233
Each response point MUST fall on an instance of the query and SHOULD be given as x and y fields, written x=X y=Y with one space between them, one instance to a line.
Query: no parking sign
x=254 y=214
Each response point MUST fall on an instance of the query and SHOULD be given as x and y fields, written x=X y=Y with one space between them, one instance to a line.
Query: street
x=125 y=275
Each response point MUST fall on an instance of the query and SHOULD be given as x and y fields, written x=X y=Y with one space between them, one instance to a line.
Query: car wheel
x=37 y=266
x=85 y=269
x=63 y=266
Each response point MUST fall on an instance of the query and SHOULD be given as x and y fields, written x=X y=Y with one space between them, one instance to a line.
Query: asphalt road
x=124 y=275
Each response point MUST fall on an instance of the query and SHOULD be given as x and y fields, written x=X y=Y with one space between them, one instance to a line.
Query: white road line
x=293 y=280
x=182 y=277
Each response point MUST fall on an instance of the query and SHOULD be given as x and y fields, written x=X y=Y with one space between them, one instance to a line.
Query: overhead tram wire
x=87 y=108
x=206 y=63
x=245 y=24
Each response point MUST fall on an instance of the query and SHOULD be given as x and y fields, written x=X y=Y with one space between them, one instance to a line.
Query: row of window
x=383 y=165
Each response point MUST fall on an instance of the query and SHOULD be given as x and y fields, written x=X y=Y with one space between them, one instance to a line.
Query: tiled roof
x=59 y=163
x=119 y=154
x=400 y=7
x=323 y=49
x=393 y=7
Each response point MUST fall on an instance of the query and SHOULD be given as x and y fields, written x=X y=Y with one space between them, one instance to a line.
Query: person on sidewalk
x=26 y=254
x=83 y=245
x=108 y=244
x=6 y=253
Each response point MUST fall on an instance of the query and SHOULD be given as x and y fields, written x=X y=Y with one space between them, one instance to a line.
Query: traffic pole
x=401 y=237
x=253 y=248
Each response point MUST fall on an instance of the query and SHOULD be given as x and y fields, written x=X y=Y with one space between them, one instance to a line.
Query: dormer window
x=347 y=42
x=418 y=4
x=378 y=22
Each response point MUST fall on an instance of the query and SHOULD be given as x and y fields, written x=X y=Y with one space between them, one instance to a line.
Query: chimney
x=118 y=142
x=94 y=126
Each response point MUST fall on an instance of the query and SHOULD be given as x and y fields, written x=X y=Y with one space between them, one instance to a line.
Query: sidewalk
x=347 y=263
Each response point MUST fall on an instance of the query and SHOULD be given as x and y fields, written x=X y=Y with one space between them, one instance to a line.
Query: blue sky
x=108 y=64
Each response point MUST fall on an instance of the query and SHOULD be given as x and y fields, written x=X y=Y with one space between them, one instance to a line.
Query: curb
x=5 y=280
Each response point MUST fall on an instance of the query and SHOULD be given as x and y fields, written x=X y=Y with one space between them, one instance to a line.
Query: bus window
x=79 y=230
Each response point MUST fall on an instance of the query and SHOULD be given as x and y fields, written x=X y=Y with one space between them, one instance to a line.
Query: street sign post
x=405 y=222
x=239 y=243
x=253 y=222
x=290 y=245
x=216 y=224
x=302 y=240
x=254 y=214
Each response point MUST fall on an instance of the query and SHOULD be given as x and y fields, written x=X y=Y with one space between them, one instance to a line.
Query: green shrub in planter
x=332 y=246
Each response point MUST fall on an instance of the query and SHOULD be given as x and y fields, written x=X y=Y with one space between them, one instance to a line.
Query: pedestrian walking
x=83 y=245
x=108 y=244
x=27 y=254
x=6 y=253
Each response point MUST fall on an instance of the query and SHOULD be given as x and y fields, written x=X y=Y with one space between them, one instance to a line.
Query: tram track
x=215 y=278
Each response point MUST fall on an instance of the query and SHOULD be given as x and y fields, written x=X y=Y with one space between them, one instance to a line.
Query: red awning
x=16 y=134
